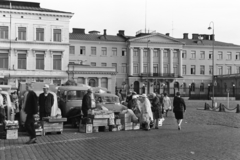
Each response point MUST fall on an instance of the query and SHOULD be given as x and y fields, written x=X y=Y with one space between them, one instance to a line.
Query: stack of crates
x=126 y=122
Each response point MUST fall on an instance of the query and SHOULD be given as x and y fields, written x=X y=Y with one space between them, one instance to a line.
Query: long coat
x=178 y=104
x=156 y=108
x=31 y=105
x=46 y=103
x=86 y=104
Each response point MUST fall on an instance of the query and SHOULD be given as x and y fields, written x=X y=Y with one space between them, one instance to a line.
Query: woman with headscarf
x=146 y=112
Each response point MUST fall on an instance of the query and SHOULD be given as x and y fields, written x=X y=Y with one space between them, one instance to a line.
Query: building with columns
x=34 y=43
x=151 y=62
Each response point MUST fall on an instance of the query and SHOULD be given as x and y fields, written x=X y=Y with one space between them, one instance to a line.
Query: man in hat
x=46 y=101
x=31 y=109
x=87 y=102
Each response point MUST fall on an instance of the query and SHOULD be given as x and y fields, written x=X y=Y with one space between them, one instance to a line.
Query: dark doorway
x=176 y=87
x=136 y=87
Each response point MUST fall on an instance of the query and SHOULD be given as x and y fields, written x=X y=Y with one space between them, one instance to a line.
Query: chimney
x=212 y=37
x=78 y=30
x=185 y=35
x=167 y=34
x=121 y=32
x=105 y=32
x=195 y=36
x=205 y=37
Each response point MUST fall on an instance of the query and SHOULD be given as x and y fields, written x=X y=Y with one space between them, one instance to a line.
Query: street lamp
x=234 y=90
x=213 y=37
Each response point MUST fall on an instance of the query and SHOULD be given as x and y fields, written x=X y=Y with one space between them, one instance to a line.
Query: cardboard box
x=127 y=126
x=100 y=122
x=12 y=134
x=111 y=121
x=86 y=128
x=118 y=121
x=119 y=127
x=125 y=118
x=136 y=126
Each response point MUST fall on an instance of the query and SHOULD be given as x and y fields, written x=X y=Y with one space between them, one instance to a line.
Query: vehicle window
x=108 y=99
x=75 y=95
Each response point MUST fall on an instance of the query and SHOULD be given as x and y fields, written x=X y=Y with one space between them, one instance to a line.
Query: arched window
x=92 y=82
x=193 y=87
x=184 y=87
x=225 y=87
x=80 y=80
x=104 y=82
x=202 y=87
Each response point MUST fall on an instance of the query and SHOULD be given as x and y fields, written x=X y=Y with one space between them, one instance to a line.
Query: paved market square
x=205 y=135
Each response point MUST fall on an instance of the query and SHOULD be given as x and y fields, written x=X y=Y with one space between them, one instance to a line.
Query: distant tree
x=70 y=83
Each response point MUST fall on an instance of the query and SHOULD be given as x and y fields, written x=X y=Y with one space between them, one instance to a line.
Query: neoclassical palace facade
x=153 y=62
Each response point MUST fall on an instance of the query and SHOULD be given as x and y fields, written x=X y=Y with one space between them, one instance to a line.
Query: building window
x=104 y=51
x=115 y=66
x=229 y=56
x=193 y=54
x=184 y=87
x=22 y=61
x=155 y=68
x=57 y=35
x=22 y=33
x=220 y=70
x=82 y=50
x=104 y=64
x=220 y=55
x=175 y=70
x=145 y=68
x=184 y=69
x=57 y=62
x=93 y=64
x=104 y=82
x=3 y=32
x=92 y=83
x=202 y=55
x=135 y=53
x=193 y=87
x=210 y=70
x=193 y=69
x=39 y=80
x=93 y=51
x=175 y=54
x=135 y=68
x=202 y=87
x=184 y=54
x=40 y=34
x=123 y=52
x=165 y=68
x=165 y=53
x=155 y=53
x=114 y=52
x=202 y=69
x=124 y=68
x=238 y=69
x=40 y=61
x=4 y=60
x=72 y=49
x=145 y=53
x=229 y=70
x=237 y=55
x=210 y=55
x=57 y=82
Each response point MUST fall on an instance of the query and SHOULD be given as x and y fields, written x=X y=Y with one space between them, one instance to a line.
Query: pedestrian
x=166 y=103
x=135 y=105
x=31 y=109
x=2 y=110
x=146 y=112
x=157 y=110
x=120 y=96
x=179 y=108
x=46 y=101
x=87 y=102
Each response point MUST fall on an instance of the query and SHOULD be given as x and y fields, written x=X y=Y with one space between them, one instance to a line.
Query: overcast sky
x=165 y=16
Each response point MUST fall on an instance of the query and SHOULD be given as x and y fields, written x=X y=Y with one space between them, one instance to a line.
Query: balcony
x=163 y=75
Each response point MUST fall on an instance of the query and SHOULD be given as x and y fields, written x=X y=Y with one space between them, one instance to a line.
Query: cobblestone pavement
x=198 y=140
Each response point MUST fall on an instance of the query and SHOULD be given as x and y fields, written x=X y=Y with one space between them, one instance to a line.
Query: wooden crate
x=100 y=122
x=52 y=127
x=12 y=134
x=85 y=128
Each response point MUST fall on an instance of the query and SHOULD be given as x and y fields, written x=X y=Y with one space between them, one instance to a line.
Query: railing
x=159 y=75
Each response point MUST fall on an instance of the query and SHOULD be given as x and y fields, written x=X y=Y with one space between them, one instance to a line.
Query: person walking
x=157 y=110
x=166 y=103
x=46 y=101
x=179 y=108
x=146 y=112
x=87 y=103
x=31 y=109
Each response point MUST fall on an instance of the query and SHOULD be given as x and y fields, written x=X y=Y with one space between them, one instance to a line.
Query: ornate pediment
x=155 y=38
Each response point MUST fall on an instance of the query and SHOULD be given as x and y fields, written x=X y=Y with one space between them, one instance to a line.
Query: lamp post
x=234 y=90
x=213 y=37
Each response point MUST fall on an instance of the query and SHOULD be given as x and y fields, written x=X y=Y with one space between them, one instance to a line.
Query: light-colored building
x=152 y=61
x=34 y=43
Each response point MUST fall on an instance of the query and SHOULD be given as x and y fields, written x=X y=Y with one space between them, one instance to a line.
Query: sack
x=145 y=117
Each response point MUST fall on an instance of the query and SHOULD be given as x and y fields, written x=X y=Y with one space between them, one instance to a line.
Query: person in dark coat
x=157 y=110
x=46 y=101
x=31 y=109
x=86 y=103
x=179 y=108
